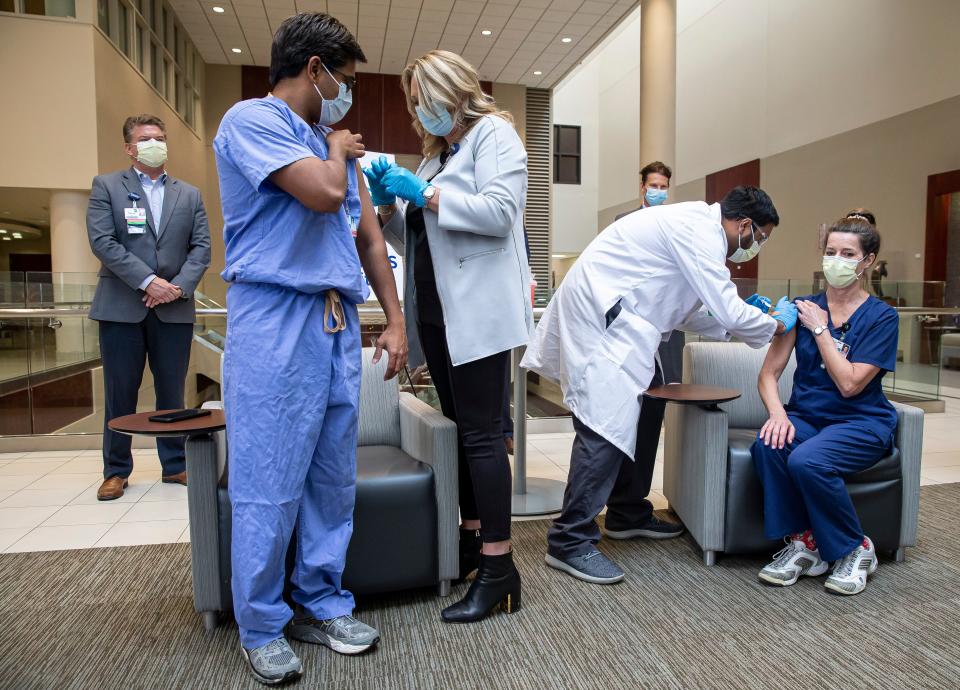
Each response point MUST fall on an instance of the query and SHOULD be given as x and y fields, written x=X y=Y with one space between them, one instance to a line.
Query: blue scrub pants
x=803 y=485
x=291 y=397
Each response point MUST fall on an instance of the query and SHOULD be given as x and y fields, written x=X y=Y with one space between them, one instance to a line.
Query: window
x=566 y=154
x=8 y=6
x=140 y=49
x=123 y=29
x=48 y=8
x=103 y=16
x=156 y=68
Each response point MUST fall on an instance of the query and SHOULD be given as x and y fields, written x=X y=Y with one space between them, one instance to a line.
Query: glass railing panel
x=12 y=289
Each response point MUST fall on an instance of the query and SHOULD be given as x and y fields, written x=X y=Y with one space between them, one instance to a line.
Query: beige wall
x=222 y=90
x=513 y=98
x=49 y=110
x=883 y=167
x=758 y=77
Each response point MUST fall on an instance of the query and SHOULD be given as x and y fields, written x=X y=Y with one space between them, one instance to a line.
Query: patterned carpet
x=123 y=618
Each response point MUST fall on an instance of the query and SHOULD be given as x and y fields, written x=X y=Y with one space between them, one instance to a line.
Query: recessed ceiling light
x=6 y=213
x=3 y=231
x=218 y=9
x=236 y=50
x=5 y=238
x=566 y=39
x=537 y=73
x=486 y=32
x=17 y=236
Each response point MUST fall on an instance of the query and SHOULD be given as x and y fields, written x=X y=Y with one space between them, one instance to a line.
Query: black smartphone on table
x=178 y=415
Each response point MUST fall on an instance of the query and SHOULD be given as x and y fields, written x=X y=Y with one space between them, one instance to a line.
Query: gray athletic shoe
x=345 y=635
x=591 y=567
x=792 y=562
x=273 y=663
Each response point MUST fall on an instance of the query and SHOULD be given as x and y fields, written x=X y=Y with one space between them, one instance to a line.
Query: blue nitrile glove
x=405 y=185
x=374 y=175
x=786 y=313
x=760 y=302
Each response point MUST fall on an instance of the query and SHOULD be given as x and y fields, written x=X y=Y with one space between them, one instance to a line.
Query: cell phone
x=178 y=415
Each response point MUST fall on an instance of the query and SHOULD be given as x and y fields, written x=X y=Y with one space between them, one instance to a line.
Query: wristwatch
x=819 y=329
x=386 y=209
x=428 y=192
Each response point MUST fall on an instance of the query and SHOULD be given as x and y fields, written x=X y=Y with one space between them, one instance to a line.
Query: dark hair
x=749 y=202
x=857 y=223
x=304 y=35
x=135 y=121
x=655 y=167
x=863 y=213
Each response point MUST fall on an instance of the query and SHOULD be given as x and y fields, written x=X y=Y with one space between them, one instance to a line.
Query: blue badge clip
x=133 y=196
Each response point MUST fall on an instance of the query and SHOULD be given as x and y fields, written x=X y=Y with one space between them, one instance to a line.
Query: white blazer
x=667 y=268
x=477 y=245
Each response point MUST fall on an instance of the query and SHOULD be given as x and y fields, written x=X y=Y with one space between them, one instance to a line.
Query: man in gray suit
x=150 y=232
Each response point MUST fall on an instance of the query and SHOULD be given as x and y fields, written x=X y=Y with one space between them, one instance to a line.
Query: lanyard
x=351 y=202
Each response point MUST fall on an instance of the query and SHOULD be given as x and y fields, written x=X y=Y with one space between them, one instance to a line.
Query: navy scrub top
x=871 y=337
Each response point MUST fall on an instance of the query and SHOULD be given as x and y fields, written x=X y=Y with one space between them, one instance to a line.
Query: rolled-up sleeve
x=501 y=176
x=260 y=141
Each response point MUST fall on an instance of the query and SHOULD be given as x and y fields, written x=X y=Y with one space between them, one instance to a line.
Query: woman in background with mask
x=467 y=302
x=838 y=421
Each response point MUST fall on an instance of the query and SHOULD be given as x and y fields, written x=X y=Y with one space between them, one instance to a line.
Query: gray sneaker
x=274 y=663
x=590 y=567
x=345 y=634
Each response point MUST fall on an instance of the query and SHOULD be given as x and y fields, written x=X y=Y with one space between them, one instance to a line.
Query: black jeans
x=602 y=474
x=125 y=348
x=472 y=396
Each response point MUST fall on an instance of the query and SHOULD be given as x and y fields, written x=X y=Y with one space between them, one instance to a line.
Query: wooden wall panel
x=61 y=402
x=717 y=186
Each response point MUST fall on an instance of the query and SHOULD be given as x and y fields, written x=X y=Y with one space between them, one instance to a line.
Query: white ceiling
x=526 y=33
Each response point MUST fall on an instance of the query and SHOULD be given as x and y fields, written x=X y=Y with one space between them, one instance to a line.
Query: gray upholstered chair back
x=734 y=365
x=379 y=404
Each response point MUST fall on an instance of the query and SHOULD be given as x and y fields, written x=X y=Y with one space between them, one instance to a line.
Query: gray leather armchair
x=710 y=482
x=406 y=515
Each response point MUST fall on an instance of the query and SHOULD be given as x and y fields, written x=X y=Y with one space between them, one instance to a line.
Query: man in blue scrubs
x=297 y=228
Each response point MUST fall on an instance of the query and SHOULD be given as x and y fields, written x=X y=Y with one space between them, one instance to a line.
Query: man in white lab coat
x=644 y=276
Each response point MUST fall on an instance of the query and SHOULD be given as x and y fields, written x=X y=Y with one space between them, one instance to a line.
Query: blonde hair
x=447 y=81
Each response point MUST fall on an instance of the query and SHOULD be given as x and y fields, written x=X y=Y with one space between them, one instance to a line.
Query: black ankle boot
x=469 y=552
x=497 y=582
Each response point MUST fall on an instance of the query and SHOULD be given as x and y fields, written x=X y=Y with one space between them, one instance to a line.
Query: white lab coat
x=667 y=268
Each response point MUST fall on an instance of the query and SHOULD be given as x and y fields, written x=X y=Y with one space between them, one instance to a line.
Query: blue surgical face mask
x=438 y=125
x=655 y=197
x=331 y=112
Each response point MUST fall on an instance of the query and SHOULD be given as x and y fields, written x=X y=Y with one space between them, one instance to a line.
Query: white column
x=74 y=270
x=658 y=81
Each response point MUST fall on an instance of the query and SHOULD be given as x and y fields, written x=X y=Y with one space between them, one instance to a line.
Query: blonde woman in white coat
x=467 y=303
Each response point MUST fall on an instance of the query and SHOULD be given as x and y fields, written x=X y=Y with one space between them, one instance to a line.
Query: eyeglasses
x=351 y=82
x=758 y=234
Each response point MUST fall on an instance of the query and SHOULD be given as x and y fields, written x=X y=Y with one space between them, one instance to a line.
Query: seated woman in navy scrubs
x=838 y=421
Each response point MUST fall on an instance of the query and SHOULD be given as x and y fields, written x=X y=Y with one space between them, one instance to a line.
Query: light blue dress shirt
x=154 y=189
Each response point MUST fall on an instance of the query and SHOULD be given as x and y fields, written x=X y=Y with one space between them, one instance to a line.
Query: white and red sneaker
x=794 y=560
x=850 y=573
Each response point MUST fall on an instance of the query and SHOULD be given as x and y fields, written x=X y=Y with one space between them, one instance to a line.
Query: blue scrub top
x=271 y=237
x=872 y=339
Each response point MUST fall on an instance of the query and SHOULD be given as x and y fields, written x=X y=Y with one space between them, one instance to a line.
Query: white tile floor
x=48 y=500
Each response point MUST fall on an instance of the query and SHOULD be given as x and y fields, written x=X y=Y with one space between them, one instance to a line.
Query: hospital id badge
x=353 y=224
x=136 y=220
x=842 y=347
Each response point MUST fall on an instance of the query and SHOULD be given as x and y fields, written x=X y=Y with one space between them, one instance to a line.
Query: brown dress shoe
x=179 y=478
x=111 y=488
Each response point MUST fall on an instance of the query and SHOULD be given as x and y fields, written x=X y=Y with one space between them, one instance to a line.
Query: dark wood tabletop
x=692 y=394
x=140 y=424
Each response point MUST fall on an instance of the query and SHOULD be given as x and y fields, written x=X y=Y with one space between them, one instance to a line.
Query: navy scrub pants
x=803 y=485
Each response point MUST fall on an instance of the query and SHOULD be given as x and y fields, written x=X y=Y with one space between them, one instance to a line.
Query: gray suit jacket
x=181 y=255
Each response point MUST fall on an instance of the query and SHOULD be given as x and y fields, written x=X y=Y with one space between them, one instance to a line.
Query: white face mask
x=331 y=112
x=742 y=256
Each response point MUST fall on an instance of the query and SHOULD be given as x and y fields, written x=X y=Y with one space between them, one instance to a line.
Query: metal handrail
x=44 y=312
